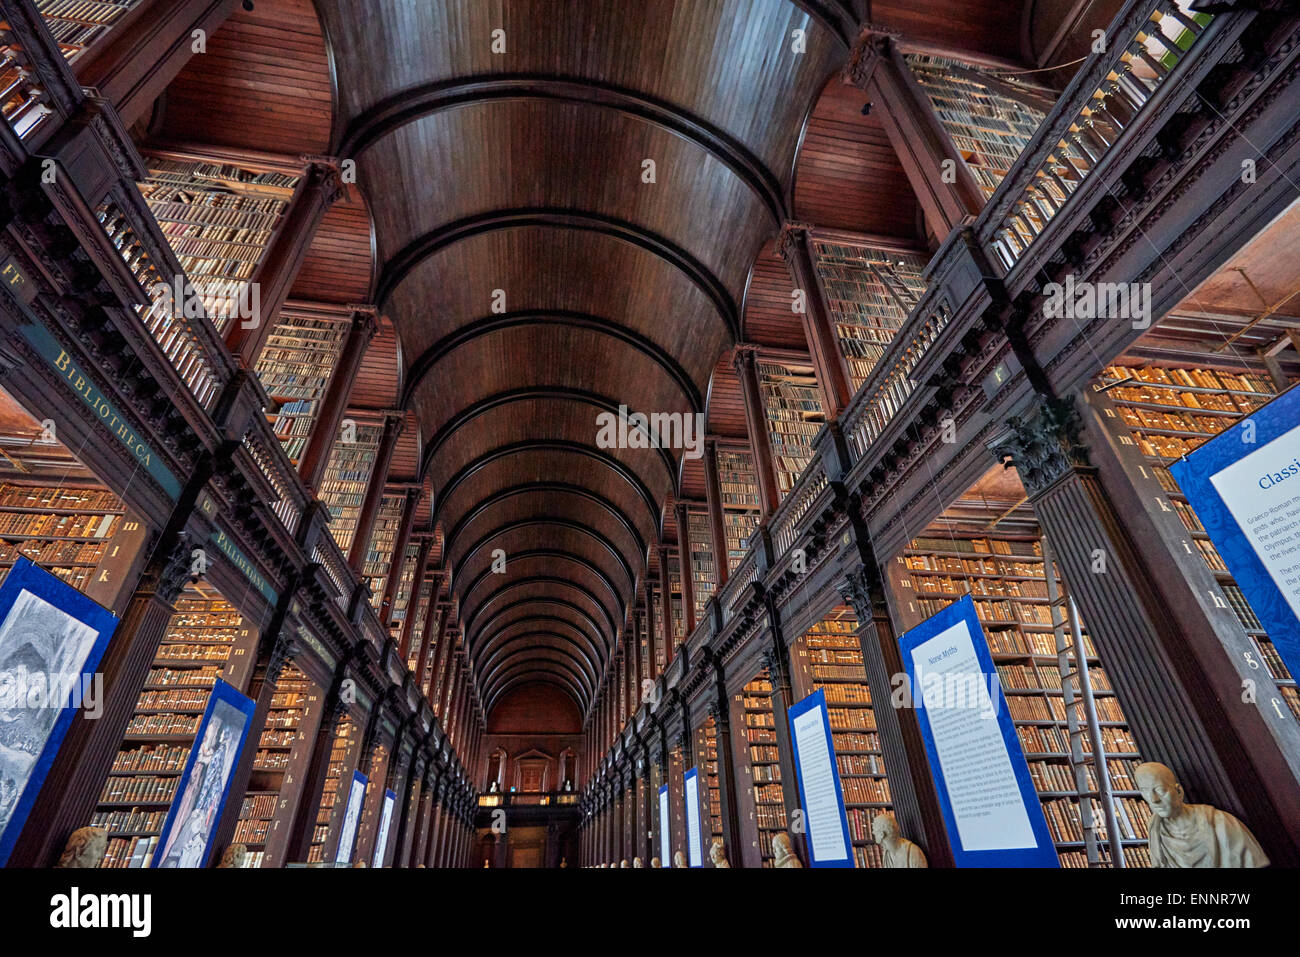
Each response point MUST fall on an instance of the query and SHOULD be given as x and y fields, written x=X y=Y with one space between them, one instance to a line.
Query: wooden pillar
x=794 y=247
x=318 y=189
x=720 y=712
x=1214 y=742
x=717 y=524
x=146 y=49
x=687 y=569
x=398 y=563
x=911 y=787
x=935 y=169
x=393 y=422
x=413 y=606
x=442 y=691
x=653 y=636
x=777 y=659
x=666 y=606
x=316 y=456
x=435 y=647
x=760 y=440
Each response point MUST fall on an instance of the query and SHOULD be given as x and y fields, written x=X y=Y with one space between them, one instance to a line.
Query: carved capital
x=788 y=240
x=175 y=567
x=365 y=319
x=324 y=174
x=1044 y=445
x=872 y=45
x=744 y=357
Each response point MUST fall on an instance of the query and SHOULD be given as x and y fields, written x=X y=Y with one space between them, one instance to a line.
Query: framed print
x=385 y=822
x=186 y=836
x=351 y=817
x=51 y=640
x=691 y=782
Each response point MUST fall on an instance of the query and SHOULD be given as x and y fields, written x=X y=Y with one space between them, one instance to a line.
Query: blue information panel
x=1244 y=485
x=990 y=808
x=691 y=782
x=820 y=792
x=665 y=838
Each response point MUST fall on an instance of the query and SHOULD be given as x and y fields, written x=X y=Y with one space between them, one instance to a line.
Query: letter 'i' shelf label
x=82 y=383
x=1244 y=485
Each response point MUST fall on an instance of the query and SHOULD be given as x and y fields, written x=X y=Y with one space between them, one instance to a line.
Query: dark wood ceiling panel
x=726 y=402
x=729 y=62
x=338 y=264
x=380 y=376
x=990 y=27
x=487 y=160
x=263 y=84
x=769 y=317
x=560 y=271
x=849 y=176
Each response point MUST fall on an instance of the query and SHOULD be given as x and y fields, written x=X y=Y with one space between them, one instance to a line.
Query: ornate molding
x=1044 y=445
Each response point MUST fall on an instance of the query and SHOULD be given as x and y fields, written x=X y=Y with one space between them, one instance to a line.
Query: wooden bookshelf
x=342 y=749
x=272 y=763
x=206 y=639
x=757 y=732
x=869 y=293
x=828 y=658
x=1170 y=411
x=218 y=219
x=706 y=759
x=1005 y=576
x=793 y=406
x=740 y=504
x=402 y=600
x=344 y=486
x=704 y=573
x=675 y=602
x=383 y=539
x=989 y=127
x=76 y=25
x=422 y=598
x=647 y=642
x=294 y=369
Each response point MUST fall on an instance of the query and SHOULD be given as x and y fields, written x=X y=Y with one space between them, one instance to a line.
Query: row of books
x=997 y=567
x=66 y=498
x=202 y=677
x=93 y=525
x=132 y=789
x=162 y=757
x=1193 y=378
x=134 y=820
x=1053 y=739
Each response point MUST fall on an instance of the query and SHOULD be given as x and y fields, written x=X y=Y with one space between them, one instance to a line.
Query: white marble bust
x=1192 y=835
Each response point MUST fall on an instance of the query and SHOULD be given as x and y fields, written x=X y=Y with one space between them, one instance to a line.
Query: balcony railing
x=35 y=82
x=191 y=344
x=269 y=457
x=529 y=799
x=1143 y=47
x=800 y=499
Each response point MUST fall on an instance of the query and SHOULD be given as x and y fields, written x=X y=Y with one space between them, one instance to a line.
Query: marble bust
x=898 y=850
x=236 y=855
x=718 y=853
x=679 y=859
x=783 y=853
x=636 y=862
x=622 y=863
x=85 y=848
x=1192 y=835
x=654 y=862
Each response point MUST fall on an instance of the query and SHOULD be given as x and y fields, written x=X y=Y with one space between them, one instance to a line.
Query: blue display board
x=691 y=786
x=51 y=639
x=990 y=809
x=351 y=818
x=195 y=814
x=665 y=837
x=1244 y=485
x=820 y=792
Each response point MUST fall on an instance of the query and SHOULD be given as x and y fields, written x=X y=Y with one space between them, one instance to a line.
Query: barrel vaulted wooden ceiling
x=521 y=174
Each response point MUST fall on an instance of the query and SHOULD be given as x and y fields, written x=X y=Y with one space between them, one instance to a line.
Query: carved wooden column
x=760 y=440
x=793 y=246
x=666 y=605
x=398 y=563
x=687 y=568
x=146 y=49
x=720 y=712
x=947 y=193
x=393 y=423
x=413 y=606
x=717 y=523
x=304 y=819
x=318 y=189
x=1175 y=715
x=777 y=659
x=911 y=788
x=316 y=456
